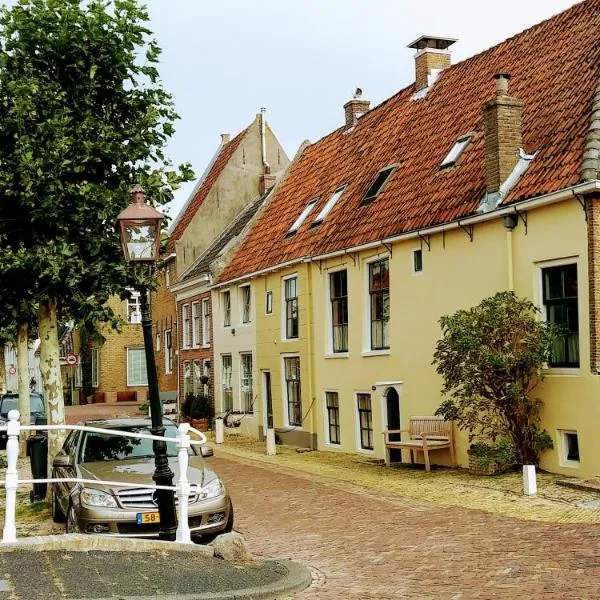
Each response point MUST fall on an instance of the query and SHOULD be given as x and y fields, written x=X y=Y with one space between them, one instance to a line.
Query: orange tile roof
x=211 y=177
x=554 y=73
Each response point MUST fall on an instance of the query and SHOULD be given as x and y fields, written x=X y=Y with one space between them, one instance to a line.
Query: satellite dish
x=358 y=93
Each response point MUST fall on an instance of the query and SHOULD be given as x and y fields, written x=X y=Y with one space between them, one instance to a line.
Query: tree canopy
x=491 y=358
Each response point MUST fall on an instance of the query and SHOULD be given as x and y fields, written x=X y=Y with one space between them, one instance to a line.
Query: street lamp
x=139 y=228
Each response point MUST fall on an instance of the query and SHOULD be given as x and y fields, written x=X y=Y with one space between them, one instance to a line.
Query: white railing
x=12 y=481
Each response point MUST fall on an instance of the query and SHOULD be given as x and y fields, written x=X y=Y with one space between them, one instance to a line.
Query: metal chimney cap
x=432 y=41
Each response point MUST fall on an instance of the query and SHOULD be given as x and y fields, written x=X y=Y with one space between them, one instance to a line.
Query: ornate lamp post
x=139 y=227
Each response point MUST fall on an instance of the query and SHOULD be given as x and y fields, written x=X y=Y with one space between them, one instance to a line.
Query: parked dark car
x=10 y=401
x=120 y=508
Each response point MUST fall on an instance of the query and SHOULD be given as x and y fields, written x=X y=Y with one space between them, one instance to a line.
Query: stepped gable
x=554 y=72
x=211 y=177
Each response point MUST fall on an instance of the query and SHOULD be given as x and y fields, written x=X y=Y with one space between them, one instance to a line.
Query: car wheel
x=229 y=525
x=207 y=538
x=58 y=516
x=72 y=522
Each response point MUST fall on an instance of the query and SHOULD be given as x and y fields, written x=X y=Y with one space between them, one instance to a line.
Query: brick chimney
x=266 y=183
x=503 y=138
x=432 y=57
x=354 y=108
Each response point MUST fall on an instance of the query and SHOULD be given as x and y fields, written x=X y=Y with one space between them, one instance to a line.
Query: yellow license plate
x=147 y=518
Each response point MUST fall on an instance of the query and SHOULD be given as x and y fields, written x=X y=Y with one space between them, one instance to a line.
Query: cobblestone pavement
x=368 y=545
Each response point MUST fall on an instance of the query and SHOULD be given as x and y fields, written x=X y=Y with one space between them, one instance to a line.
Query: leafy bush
x=197 y=407
x=491 y=357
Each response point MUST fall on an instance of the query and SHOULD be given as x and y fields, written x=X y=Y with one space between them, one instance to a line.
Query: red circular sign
x=12 y=371
x=72 y=359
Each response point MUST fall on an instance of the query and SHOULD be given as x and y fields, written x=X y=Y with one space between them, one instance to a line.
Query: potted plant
x=198 y=411
x=491 y=458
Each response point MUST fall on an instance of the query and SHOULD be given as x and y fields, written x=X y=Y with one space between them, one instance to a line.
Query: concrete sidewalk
x=60 y=567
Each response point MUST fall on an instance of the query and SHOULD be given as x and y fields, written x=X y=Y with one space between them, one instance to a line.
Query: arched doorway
x=392 y=400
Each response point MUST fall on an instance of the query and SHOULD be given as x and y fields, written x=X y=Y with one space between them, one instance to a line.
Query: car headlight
x=91 y=497
x=212 y=489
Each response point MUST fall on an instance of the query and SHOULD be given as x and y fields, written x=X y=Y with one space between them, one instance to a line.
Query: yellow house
x=479 y=177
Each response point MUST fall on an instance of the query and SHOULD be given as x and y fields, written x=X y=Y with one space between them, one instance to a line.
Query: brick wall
x=593 y=223
x=112 y=356
x=426 y=61
x=199 y=352
x=164 y=318
x=503 y=138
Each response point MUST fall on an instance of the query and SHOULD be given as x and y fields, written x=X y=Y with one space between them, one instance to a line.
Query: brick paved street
x=362 y=545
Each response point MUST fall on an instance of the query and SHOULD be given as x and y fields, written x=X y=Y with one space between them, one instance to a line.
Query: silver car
x=124 y=509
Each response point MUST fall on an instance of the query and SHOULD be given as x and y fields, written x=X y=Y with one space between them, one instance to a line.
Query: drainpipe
x=263 y=141
x=510 y=221
x=309 y=324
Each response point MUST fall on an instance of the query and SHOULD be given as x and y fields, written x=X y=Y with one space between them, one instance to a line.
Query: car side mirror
x=206 y=451
x=62 y=461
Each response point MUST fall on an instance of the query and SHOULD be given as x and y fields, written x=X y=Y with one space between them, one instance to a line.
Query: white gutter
x=551 y=198
x=184 y=285
x=263 y=141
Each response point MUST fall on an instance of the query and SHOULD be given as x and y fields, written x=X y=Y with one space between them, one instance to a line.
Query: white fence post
x=529 y=480
x=183 y=485
x=12 y=477
x=271 y=448
x=219 y=431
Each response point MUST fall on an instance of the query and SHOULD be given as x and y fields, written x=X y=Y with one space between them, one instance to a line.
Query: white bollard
x=183 y=485
x=271 y=451
x=219 y=431
x=12 y=478
x=529 y=481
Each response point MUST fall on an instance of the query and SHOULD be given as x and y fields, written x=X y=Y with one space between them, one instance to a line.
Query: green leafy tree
x=83 y=117
x=491 y=358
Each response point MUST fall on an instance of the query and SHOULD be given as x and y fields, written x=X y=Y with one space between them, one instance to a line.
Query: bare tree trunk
x=51 y=376
x=2 y=369
x=23 y=381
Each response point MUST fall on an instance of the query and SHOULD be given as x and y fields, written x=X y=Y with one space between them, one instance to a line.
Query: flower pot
x=200 y=424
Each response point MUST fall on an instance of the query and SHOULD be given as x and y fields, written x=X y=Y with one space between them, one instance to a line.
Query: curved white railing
x=12 y=481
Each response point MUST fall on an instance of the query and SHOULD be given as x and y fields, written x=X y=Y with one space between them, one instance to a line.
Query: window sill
x=333 y=446
x=570 y=464
x=290 y=339
x=385 y=352
x=205 y=346
x=365 y=450
x=337 y=355
x=562 y=371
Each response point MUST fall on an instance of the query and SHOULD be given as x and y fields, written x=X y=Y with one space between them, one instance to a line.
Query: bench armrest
x=387 y=432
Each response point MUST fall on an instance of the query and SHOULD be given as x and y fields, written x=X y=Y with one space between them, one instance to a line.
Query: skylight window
x=305 y=212
x=330 y=204
x=457 y=150
x=376 y=186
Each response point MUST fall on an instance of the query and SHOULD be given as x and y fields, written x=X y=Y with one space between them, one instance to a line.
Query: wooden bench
x=425 y=434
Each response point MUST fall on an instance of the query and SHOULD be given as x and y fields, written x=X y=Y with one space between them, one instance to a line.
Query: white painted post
x=12 y=478
x=529 y=481
x=271 y=451
x=219 y=431
x=183 y=485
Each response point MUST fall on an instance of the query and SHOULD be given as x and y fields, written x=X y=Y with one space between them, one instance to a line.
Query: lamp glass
x=140 y=240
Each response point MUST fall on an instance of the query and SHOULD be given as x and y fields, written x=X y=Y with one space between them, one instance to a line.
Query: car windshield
x=9 y=403
x=96 y=447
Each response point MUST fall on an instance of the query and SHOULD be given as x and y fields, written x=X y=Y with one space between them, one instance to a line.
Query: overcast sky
x=302 y=60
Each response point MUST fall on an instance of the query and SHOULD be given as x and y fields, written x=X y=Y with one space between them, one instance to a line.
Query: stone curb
x=83 y=543
x=297 y=578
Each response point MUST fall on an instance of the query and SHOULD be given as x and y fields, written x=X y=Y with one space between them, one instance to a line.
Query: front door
x=393 y=421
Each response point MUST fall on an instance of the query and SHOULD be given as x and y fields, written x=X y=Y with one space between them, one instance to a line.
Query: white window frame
x=95 y=364
x=333 y=200
x=196 y=324
x=284 y=395
x=168 y=277
x=359 y=447
x=539 y=290
x=188 y=378
x=269 y=302
x=196 y=377
x=302 y=217
x=244 y=377
x=326 y=431
x=168 y=352
x=206 y=322
x=143 y=382
x=284 y=307
x=367 y=350
x=135 y=317
x=329 y=353
x=77 y=376
x=456 y=151
x=563 y=449
x=230 y=388
x=185 y=325
x=413 y=257
x=157 y=343
x=206 y=373
x=226 y=308
x=245 y=308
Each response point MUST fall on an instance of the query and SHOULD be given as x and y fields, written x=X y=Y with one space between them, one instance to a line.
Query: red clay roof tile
x=554 y=73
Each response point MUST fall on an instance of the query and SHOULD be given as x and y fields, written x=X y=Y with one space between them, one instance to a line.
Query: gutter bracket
x=426 y=239
x=581 y=201
x=468 y=229
x=388 y=247
x=523 y=217
x=352 y=255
